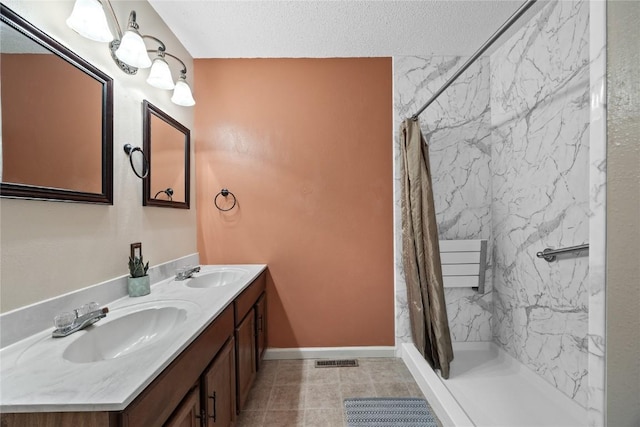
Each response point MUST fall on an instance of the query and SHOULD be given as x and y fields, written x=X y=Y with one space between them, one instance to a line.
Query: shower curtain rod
x=518 y=13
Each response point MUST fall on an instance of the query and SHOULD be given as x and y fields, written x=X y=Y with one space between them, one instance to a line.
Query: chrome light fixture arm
x=162 y=50
x=184 y=67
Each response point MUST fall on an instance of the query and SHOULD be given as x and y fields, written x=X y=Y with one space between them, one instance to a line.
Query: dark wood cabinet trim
x=261 y=328
x=245 y=358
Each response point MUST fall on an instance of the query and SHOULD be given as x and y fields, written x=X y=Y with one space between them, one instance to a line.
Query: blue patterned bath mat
x=388 y=412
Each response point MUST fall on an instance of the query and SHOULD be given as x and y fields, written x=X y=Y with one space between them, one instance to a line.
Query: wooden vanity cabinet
x=189 y=413
x=219 y=388
x=249 y=306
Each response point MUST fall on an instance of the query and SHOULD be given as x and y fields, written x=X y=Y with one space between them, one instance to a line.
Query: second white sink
x=220 y=277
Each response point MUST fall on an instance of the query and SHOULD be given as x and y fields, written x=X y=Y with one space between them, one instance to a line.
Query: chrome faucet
x=186 y=273
x=80 y=318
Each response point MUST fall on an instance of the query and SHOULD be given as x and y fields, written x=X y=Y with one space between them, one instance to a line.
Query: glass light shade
x=182 y=94
x=160 y=75
x=88 y=19
x=132 y=50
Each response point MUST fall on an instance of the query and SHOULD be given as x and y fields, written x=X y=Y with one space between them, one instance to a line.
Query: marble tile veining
x=540 y=165
x=457 y=128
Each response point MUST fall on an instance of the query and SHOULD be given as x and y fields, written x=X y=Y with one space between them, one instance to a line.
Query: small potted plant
x=139 y=283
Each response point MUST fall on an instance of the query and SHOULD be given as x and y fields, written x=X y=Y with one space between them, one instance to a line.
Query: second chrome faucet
x=186 y=272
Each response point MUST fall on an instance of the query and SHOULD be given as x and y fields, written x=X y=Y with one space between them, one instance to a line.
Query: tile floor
x=296 y=393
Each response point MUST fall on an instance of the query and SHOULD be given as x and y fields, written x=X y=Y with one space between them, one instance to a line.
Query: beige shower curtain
x=421 y=253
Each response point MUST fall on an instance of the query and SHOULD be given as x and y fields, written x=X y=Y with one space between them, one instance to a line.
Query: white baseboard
x=329 y=352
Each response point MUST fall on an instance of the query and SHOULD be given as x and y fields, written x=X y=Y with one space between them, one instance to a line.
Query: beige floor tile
x=414 y=390
x=288 y=364
x=296 y=375
x=385 y=372
x=404 y=373
x=355 y=375
x=286 y=397
x=323 y=418
x=258 y=398
x=323 y=375
x=391 y=390
x=322 y=396
x=295 y=393
x=267 y=366
x=267 y=373
x=250 y=419
x=284 y=419
x=357 y=390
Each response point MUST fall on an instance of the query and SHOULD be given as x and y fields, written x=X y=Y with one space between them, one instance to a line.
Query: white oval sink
x=145 y=325
x=220 y=277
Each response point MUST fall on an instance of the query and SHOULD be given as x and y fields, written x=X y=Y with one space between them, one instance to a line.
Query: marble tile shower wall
x=457 y=128
x=509 y=146
x=540 y=167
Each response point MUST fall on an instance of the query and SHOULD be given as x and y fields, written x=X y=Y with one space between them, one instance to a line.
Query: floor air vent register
x=343 y=363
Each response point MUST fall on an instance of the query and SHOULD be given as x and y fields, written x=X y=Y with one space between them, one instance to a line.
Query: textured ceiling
x=305 y=28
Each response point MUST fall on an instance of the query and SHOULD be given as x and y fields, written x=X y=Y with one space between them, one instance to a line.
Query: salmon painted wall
x=306 y=147
x=36 y=92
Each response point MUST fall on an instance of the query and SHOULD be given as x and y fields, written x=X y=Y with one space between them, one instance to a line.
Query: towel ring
x=224 y=193
x=129 y=149
x=168 y=192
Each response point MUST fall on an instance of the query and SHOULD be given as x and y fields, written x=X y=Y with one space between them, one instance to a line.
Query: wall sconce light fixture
x=128 y=49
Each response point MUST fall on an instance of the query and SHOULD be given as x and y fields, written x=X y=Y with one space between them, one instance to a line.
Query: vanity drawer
x=247 y=299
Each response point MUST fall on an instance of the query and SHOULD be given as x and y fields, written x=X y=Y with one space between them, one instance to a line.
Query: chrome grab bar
x=550 y=254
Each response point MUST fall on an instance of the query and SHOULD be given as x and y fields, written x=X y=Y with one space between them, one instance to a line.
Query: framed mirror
x=57 y=119
x=167 y=146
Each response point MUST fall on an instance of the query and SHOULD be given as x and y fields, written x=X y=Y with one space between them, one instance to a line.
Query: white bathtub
x=489 y=388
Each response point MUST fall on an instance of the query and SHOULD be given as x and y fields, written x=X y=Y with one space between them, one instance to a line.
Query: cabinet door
x=187 y=414
x=219 y=387
x=261 y=328
x=246 y=354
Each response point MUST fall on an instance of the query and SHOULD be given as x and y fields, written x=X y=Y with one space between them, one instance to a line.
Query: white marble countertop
x=36 y=378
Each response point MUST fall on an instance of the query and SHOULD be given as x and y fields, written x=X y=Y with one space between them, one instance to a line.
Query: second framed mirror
x=166 y=143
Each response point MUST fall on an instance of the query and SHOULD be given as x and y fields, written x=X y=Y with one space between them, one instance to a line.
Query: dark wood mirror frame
x=148 y=199
x=22 y=191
